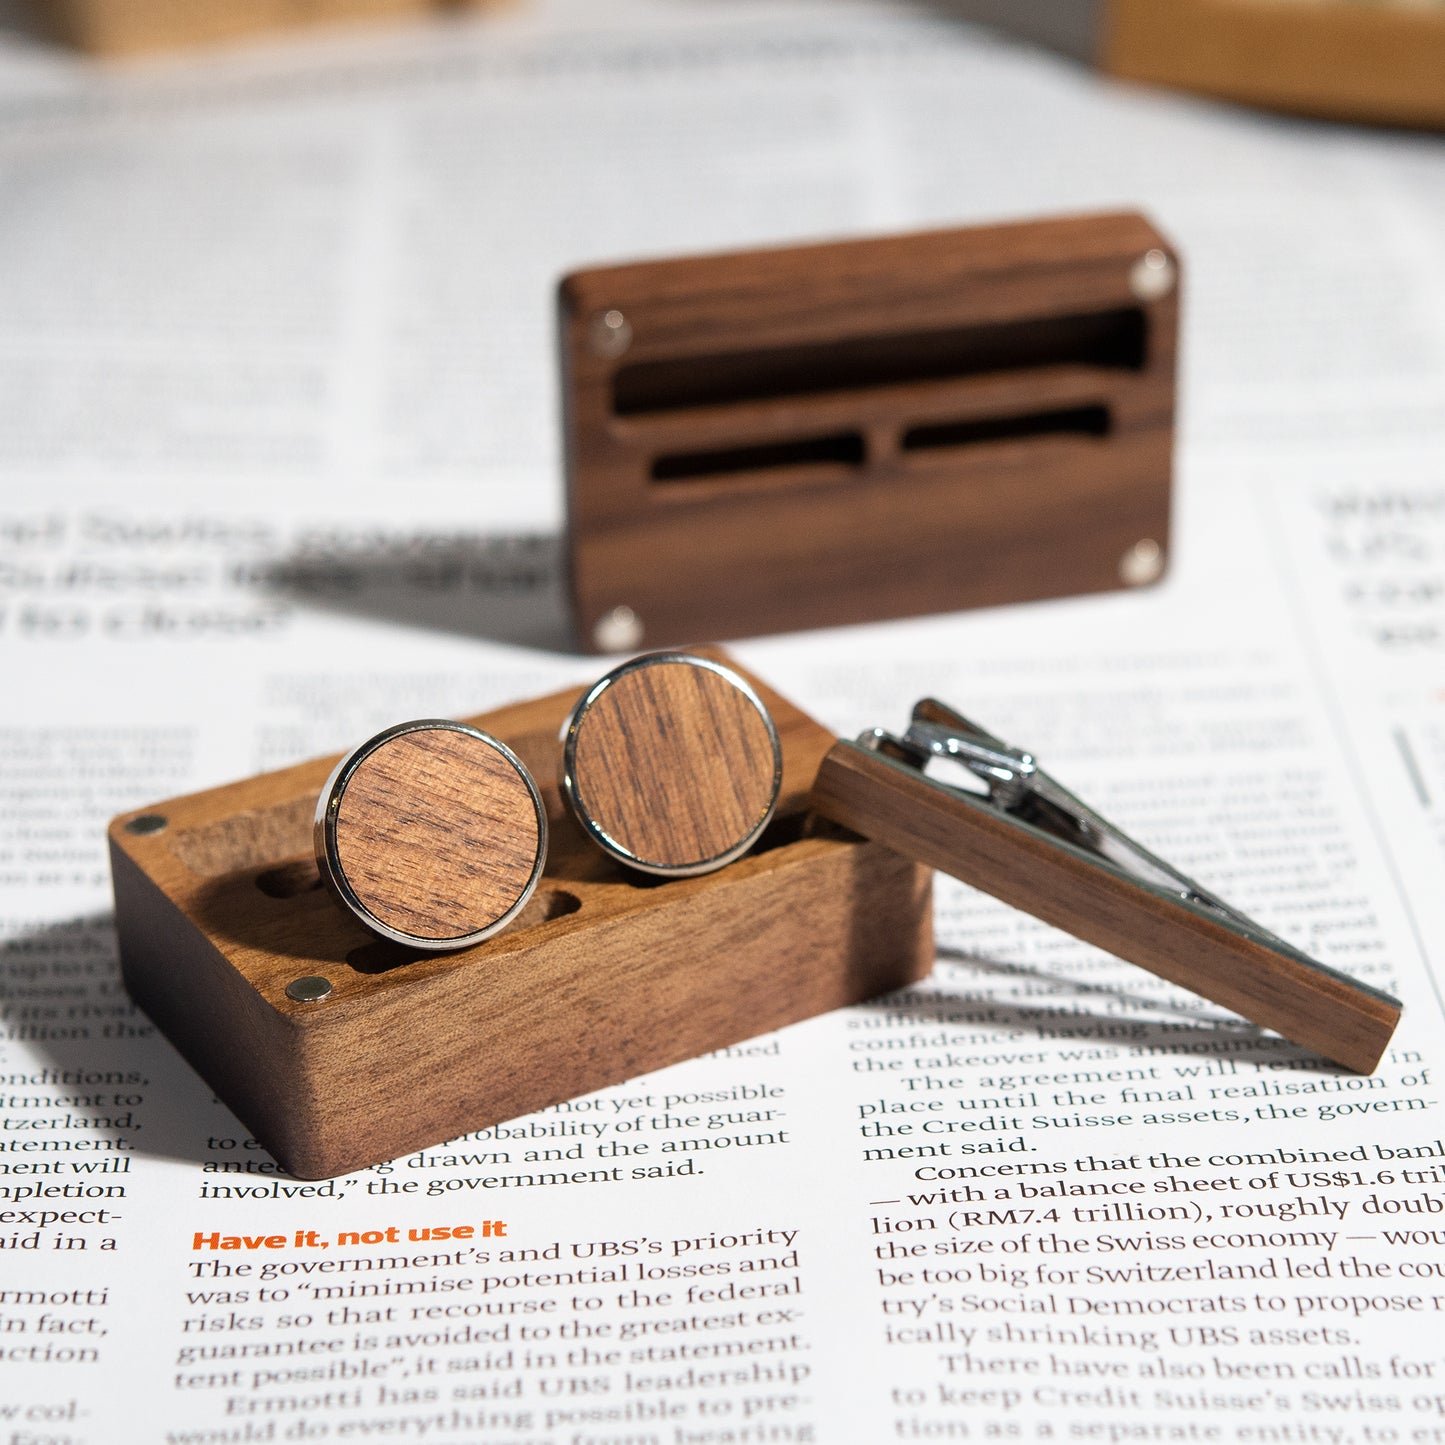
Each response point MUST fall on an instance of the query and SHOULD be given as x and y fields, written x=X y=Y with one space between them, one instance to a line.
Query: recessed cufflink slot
x=834 y=454
x=290 y=880
x=382 y=955
x=1088 y=421
x=1114 y=340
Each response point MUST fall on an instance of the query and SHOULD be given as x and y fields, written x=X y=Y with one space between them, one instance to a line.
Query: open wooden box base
x=604 y=976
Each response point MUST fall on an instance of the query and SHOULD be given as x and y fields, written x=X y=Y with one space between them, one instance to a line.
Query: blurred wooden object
x=1380 y=62
x=128 y=27
x=829 y=434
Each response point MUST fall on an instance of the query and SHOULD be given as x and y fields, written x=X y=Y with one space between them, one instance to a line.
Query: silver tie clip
x=1027 y=840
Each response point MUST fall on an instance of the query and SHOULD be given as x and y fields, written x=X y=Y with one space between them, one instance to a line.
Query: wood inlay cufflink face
x=672 y=764
x=432 y=834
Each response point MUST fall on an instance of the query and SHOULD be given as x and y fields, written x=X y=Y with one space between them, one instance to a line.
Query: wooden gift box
x=604 y=976
x=817 y=435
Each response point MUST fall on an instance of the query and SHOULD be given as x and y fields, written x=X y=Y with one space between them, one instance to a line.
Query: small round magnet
x=671 y=764
x=432 y=834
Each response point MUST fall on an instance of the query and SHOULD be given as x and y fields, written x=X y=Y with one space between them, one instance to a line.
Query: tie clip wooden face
x=1021 y=836
x=671 y=764
x=432 y=834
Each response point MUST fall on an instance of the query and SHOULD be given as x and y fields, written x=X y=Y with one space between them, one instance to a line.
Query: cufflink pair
x=434 y=835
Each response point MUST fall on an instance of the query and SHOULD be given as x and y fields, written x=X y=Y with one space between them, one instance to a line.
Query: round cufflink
x=432 y=834
x=672 y=764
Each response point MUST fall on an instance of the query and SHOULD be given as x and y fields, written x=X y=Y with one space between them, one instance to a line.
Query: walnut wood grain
x=1310 y=1005
x=599 y=980
x=673 y=764
x=831 y=434
x=436 y=833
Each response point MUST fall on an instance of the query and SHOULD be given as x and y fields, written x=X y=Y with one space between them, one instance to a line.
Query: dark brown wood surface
x=836 y=433
x=602 y=977
x=436 y=833
x=675 y=764
x=1311 y=1006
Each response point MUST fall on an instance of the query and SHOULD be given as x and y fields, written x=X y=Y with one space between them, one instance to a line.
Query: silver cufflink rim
x=572 y=793
x=328 y=858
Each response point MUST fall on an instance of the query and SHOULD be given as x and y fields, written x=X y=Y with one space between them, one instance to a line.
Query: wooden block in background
x=1339 y=58
x=830 y=434
x=603 y=977
x=127 y=27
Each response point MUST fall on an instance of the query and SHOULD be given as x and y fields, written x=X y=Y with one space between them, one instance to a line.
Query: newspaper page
x=281 y=467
